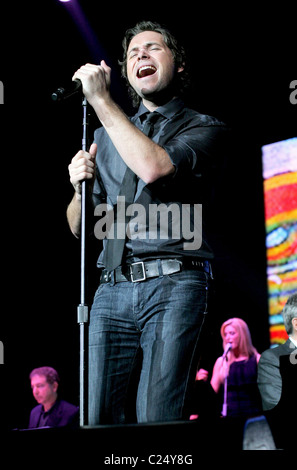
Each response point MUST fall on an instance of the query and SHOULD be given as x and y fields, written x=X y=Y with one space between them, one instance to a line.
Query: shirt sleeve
x=191 y=149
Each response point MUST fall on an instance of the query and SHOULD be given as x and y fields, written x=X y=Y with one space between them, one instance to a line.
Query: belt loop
x=210 y=270
x=160 y=268
x=112 y=278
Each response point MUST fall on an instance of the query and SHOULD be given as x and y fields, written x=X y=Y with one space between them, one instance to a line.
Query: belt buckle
x=105 y=276
x=143 y=278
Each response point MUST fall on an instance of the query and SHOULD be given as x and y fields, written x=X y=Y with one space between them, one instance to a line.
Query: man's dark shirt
x=194 y=143
x=60 y=414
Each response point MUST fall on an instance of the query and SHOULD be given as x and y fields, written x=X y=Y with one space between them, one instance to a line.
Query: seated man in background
x=50 y=411
x=277 y=380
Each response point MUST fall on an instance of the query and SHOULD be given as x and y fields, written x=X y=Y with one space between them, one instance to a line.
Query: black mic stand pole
x=82 y=309
x=225 y=405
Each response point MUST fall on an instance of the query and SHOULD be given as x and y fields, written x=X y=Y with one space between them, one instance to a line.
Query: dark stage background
x=243 y=61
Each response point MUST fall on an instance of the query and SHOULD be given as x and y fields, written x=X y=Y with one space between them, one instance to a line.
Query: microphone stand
x=82 y=309
x=224 y=409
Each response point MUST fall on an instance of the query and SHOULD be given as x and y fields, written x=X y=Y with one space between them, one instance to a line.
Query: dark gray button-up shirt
x=169 y=218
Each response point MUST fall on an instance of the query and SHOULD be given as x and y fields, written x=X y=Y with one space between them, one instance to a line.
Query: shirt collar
x=51 y=408
x=168 y=110
x=293 y=341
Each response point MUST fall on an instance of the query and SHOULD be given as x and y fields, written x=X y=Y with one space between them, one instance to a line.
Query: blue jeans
x=154 y=325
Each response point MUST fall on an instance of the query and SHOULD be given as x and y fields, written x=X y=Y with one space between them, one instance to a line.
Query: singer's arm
x=82 y=167
x=218 y=375
x=147 y=159
x=74 y=215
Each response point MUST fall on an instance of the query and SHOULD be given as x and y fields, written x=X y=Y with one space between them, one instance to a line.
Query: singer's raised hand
x=95 y=80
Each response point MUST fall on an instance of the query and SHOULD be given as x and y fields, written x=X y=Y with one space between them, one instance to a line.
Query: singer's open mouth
x=145 y=71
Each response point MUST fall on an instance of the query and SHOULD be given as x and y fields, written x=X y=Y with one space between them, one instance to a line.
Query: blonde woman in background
x=239 y=365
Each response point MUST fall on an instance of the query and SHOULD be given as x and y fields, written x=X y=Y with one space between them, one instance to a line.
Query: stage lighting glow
x=78 y=16
x=280 y=195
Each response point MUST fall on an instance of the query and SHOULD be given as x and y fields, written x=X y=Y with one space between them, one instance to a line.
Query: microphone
x=63 y=93
x=227 y=349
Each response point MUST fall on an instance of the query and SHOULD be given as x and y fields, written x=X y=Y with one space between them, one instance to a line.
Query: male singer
x=151 y=302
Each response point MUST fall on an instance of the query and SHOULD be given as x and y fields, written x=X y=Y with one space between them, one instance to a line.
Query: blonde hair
x=245 y=345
